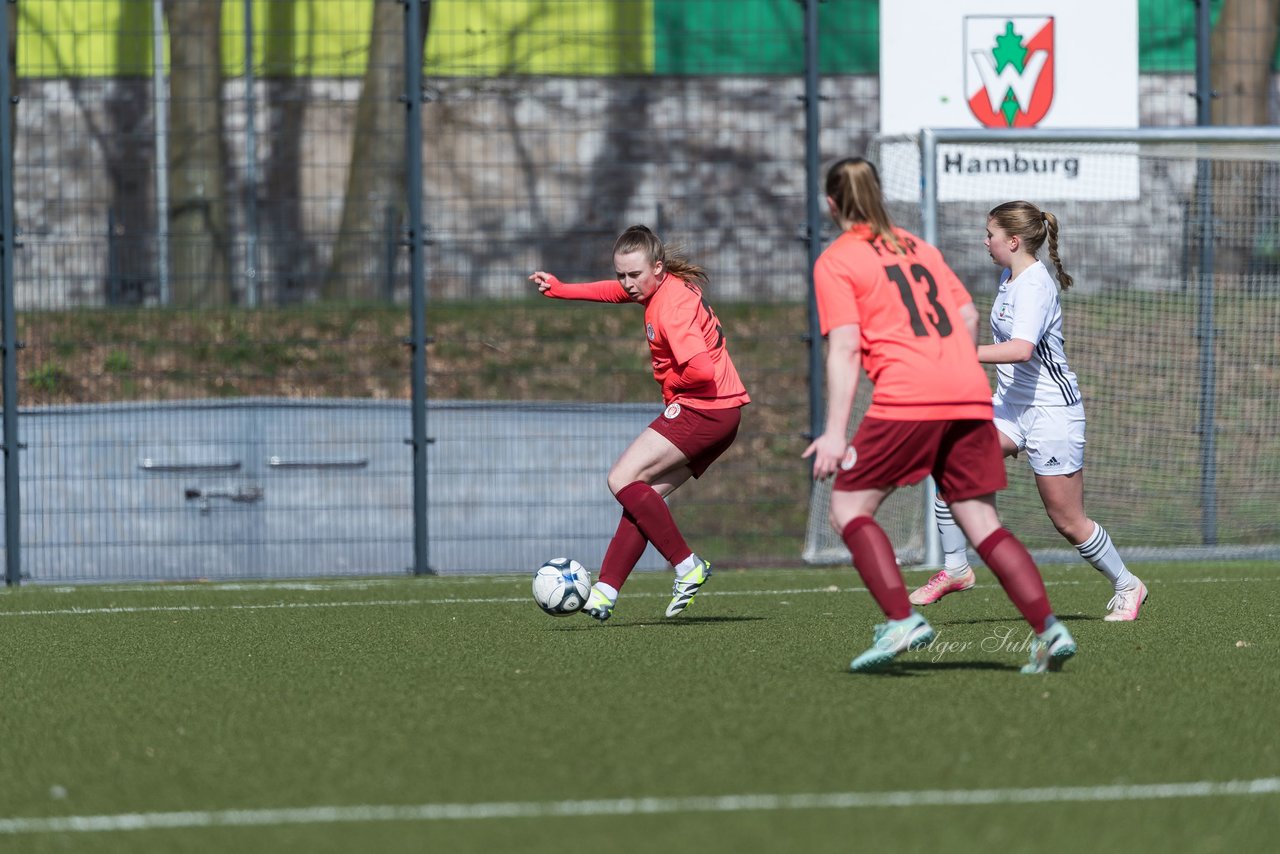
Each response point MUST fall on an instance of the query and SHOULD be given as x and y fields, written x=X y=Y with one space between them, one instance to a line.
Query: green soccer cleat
x=1051 y=649
x=687 y=586
x=598 y=605
x=891 y=638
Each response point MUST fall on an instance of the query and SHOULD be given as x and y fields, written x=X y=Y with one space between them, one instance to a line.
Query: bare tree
x=128 y=159
x=375 y=189
x=612 y=178
x=1242 y=49
x=290 y=258
x=198 y=238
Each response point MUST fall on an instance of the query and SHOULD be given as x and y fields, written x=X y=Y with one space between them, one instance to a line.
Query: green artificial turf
x=204 y=698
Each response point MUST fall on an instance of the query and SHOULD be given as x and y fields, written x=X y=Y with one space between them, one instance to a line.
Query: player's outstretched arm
x=544 y=280
x=608 y=290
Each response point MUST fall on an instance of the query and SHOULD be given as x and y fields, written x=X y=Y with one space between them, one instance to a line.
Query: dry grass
x=1137 y=356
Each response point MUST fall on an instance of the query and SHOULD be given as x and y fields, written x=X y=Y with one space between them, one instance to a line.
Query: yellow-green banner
x=330 y=38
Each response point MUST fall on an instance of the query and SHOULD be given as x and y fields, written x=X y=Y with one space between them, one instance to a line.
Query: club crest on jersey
x=1006 y=312
x=671 y=412
x=1008 y=69
x=850 y=457
x=648 y=331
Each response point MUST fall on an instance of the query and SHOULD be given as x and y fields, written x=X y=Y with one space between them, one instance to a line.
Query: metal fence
x=208 y=234
x=1174 y=349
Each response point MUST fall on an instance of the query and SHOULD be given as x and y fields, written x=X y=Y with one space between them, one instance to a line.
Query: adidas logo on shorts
x=1052 y=461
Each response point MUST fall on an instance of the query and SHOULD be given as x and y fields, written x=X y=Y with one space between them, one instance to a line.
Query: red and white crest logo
x=671 y=412
x=1008 y=69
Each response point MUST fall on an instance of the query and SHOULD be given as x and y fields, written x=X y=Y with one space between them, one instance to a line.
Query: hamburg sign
x=1009 y=64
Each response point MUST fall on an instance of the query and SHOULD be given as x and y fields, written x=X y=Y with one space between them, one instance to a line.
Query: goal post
x=1173 y=238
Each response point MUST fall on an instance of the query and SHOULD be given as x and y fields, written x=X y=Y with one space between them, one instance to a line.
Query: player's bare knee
x=619 y=481
x=1075 y=529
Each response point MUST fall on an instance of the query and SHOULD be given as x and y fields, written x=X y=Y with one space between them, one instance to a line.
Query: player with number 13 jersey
x=888 y=301
x=915 y=349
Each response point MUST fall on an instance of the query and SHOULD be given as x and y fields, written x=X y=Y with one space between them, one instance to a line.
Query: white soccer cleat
x=686 y=587
x=1124 y=606
x=599 y=605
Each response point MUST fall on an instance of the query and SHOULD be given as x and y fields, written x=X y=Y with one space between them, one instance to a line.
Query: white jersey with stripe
x=1028 y=308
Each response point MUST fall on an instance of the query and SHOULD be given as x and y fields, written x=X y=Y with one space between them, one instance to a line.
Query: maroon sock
x=875 y=561
x=624 y=552
x=653 y=518
x=1018 y=575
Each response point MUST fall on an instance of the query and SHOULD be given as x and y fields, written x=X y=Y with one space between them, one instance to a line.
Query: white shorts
x=1052 y=436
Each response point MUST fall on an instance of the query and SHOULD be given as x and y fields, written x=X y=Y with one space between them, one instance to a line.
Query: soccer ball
x=561 y=586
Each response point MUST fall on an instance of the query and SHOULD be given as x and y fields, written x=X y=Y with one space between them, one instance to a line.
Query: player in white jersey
x=1037 y=406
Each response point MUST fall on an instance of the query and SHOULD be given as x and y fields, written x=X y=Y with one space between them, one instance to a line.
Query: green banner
x=487 y=38
x=693 y=37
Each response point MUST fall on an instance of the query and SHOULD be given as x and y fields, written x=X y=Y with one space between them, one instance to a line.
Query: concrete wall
x=266 y=488
x=520 y=173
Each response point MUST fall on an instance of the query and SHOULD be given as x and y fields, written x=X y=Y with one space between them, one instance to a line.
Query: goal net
x=1172 y=326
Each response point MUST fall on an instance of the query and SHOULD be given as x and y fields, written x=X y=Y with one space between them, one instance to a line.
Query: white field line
x=261 y=586
x=506 y=600
x=634 y=806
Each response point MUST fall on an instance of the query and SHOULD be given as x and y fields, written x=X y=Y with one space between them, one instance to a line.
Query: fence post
x=813 y=212
x=929 y=214
x=12 y=506
x=413 y=58
x=1204 y=322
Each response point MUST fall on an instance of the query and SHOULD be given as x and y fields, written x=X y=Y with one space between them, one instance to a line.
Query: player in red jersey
x=703 y=395
x=888 y=297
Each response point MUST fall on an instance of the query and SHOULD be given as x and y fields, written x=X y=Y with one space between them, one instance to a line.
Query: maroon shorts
x=702 y=435
x=963 y=457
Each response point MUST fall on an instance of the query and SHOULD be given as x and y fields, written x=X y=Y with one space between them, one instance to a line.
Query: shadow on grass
x=665 y=623
x=920 y=668
x=939 y=622
x=927 y=666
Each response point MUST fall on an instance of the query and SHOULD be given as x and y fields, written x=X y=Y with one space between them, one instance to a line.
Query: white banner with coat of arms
x=1012 y=64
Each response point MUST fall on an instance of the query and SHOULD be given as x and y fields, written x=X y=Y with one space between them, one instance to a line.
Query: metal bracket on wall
x=148 y=464
x=282 y=463
x=240 y=495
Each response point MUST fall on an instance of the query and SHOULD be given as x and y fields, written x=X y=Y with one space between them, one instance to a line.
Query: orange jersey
x=679 y=324
x=915 y=348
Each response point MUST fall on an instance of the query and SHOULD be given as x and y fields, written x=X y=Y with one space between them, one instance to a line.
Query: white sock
x=687 y=565
x=1101 y=552
x=954 y=557
x=607 y=589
